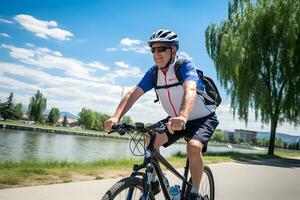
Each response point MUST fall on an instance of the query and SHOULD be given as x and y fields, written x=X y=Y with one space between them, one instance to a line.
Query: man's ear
x=174 y=50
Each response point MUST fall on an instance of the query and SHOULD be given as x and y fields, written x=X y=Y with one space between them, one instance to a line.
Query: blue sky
x=82 y=53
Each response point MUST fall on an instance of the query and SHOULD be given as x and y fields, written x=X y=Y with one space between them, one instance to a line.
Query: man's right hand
x=109 y=123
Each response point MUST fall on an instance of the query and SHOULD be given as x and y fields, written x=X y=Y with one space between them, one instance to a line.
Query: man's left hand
x=176 y=123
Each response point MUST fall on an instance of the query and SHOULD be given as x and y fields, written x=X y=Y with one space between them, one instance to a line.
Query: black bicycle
x=138 y=185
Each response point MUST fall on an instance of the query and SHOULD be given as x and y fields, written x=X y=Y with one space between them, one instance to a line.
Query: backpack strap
x=177 y=69
x=177 y=74
x=154 y=81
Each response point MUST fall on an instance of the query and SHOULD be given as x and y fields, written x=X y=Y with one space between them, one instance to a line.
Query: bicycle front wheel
x=130 y=188
x=207 y=184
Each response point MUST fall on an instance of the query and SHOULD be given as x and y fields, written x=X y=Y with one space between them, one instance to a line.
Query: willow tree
x=37 y=106
x=256 y=52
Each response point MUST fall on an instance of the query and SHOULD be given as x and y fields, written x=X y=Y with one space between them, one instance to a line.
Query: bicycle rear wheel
x=207 y=185
x=127 y=188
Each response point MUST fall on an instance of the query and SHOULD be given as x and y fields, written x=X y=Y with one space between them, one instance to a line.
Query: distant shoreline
x=57 y=131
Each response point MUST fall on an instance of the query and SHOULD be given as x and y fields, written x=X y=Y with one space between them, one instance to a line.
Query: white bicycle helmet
x=164 y=35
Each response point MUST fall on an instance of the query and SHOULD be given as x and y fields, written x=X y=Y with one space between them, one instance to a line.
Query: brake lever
x=119 y=129
x=114 y=128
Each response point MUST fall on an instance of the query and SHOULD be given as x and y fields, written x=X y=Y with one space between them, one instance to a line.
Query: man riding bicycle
x=189 y=116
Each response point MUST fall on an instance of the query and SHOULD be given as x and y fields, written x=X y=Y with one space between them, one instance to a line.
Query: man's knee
x=194 y=147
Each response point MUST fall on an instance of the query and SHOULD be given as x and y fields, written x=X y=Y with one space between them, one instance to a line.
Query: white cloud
x=69 y=94
x=185 y=55
x=142 y=50
x=125 y=70
x=19 y=53
x=46 y=58
x=12 y=84
x=40 y=50
x=5 y=35
x=72 y=89
x=75 y=87
x=134 y=45
x=5 y=21
x=57 y=53
x=130 y=72
x=43 y=29
x=98 y=65
x=122 y=64
x=111 y=49
x=29 y=45
x=130 y=42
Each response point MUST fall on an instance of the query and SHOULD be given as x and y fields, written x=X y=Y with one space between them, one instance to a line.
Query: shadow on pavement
x=259 y=159
x=275 y=162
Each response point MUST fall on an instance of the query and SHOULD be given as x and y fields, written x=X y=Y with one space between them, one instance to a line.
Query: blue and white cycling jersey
x=171 y=98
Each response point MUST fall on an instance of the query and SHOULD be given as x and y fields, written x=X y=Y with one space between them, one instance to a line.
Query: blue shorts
x=198 y=129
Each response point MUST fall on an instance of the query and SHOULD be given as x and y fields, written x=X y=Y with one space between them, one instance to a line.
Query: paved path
x=259 y=180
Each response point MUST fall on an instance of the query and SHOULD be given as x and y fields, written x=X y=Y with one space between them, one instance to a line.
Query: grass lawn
x=16 y=174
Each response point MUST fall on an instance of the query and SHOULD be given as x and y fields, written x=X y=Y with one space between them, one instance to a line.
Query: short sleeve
x=146 y=83
x=188 y=72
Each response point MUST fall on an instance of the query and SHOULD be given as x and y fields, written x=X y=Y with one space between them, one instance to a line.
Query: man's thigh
x=203 y=129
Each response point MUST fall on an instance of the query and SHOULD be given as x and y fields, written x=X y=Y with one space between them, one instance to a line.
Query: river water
x=17 y=145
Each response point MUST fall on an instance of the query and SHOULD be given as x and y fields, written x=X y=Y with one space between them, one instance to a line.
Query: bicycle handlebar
x=139 y=127
x=122 y=128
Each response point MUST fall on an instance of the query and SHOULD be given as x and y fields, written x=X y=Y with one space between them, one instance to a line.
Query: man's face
x=161 y=53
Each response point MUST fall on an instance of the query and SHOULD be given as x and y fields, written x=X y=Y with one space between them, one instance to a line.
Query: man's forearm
x=126 y=103
x=188 y=101
x=120 y=111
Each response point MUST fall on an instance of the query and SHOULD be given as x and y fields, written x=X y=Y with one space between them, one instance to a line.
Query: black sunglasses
x=159 y=49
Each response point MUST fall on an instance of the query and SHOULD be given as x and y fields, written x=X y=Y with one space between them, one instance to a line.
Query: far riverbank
x=57 y=130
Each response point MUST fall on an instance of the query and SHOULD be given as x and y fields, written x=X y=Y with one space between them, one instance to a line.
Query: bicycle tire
x=207 y=171
x=123 y=185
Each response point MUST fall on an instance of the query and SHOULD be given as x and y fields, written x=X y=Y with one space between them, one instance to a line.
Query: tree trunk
x=272 y=136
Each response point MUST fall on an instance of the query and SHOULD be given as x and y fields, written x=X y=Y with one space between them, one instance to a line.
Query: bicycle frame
x=151 y=161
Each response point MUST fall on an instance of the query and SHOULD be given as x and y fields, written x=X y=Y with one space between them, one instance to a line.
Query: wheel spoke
x=207 y=187
x=128 y=186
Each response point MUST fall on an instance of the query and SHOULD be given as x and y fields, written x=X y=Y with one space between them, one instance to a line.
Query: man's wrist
x=184 y=116
x=117 y=118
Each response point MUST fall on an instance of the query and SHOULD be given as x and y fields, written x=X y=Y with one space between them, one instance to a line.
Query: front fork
x=147 y=181
x=147 y=177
